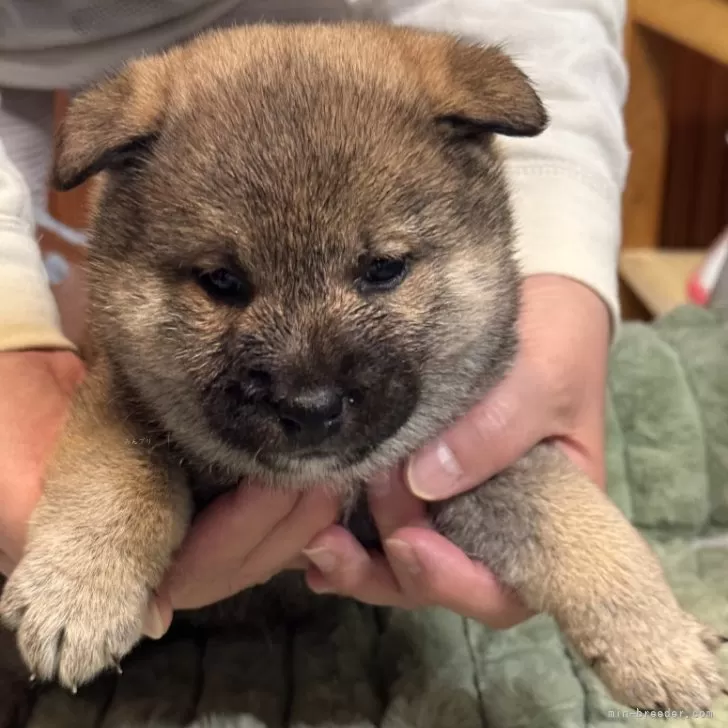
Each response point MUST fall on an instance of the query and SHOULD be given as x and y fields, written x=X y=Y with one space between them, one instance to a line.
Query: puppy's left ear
x=477 y=90
x=112 y=123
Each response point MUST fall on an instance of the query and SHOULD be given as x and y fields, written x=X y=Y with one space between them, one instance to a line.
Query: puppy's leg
x=99 y=542
x=549 y=533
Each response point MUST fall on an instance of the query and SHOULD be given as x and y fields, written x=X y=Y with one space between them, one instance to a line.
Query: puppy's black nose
x=312 y=415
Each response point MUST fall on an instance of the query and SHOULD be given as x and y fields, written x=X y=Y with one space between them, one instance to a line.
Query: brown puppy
x=301 y=268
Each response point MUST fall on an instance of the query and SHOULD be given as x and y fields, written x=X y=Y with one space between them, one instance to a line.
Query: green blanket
x=361 y=667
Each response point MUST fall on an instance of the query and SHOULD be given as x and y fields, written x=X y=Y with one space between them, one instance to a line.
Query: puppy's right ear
x=112 y=123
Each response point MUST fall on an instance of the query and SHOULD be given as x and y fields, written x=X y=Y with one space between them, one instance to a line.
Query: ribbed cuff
x=28 y=313
x=568 y=225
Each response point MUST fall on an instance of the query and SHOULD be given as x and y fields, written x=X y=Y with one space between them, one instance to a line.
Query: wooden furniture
x=676 y=198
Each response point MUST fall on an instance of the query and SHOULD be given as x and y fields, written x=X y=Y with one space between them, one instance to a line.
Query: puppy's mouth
x=322 y=460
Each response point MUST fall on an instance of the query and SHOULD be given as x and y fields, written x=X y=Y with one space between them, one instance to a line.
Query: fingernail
x=322 y=589
x=323 y=559
x=434 y=473
x=152 y=626
x=403 y=554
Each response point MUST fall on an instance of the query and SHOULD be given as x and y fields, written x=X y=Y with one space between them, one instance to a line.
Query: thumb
x=158 y=616
x=493 y=435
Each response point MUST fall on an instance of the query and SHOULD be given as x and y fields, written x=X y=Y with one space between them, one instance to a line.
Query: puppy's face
x=301 y=250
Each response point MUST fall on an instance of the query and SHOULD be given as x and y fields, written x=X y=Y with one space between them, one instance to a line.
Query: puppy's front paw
x=657 y=663
x=73 y=620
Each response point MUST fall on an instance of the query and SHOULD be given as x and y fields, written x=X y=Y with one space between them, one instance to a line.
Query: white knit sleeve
x=28 y=312
x=567 y=183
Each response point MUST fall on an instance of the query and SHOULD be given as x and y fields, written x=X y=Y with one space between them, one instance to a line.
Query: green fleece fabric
x=667 y=422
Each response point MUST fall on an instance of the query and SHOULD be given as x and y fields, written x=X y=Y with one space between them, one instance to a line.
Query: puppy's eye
x=225 y=286
x=383 y=274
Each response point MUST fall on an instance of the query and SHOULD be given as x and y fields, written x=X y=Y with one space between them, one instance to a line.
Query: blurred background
x=676 y=199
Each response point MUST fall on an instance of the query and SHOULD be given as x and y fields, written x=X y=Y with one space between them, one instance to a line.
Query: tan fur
x=554 y=537
x=103 y=499
x=296 y=156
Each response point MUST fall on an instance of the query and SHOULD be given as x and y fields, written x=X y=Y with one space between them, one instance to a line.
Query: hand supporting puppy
x=555 y=391
x=243 y=538
x=37 y=390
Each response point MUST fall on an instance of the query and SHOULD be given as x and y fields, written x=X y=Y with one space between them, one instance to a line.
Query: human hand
x=37 y=391
x=555 y=391
x=241 y=539
x=419 y=567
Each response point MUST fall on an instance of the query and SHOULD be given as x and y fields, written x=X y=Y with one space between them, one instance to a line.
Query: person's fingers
x=297 y=563
x=431 y=570
x=316 y=511
x=342 y=565
x=587 y=453
x=221 y=539
x=271 y=532
x=158 y=616
x=500 y=429
x=392 y=505
x=583 y=442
